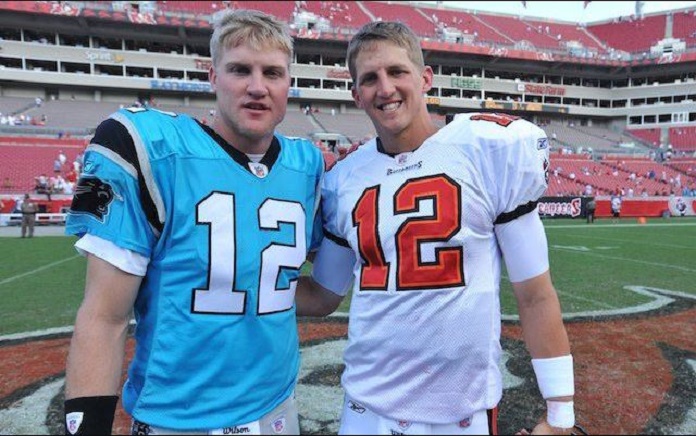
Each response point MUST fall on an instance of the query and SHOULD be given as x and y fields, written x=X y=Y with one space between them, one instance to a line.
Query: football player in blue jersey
x=198 y=233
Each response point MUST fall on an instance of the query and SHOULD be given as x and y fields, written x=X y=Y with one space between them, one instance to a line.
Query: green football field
x=42 y=279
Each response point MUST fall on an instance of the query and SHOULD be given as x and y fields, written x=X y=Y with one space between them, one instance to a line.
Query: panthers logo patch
x=93 y=197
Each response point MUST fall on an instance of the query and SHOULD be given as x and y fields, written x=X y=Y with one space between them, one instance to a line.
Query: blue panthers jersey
x=216 y=334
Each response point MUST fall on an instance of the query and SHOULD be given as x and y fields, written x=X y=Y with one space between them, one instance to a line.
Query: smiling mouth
x=390 y=107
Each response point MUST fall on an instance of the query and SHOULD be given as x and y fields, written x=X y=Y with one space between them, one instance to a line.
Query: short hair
x=390 y=31
x=232 y=28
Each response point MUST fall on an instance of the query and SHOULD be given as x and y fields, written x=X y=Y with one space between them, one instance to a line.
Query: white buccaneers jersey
x=424 y=331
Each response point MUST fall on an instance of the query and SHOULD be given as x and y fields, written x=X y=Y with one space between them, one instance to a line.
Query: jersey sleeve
x=514 y=157
x=107 y=200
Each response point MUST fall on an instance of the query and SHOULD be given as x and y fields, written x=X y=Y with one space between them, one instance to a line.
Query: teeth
x=391 y=106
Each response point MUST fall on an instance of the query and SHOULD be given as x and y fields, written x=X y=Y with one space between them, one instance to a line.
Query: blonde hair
x=232 y=28
x=388 y=31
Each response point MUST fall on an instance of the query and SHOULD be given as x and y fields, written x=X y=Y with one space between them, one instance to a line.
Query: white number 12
x=220 y=297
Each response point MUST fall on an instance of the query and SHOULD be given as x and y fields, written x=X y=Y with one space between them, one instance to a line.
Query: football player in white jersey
x=417 y=222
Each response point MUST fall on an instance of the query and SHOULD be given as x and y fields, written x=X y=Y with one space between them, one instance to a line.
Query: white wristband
x=555 y=376
x=560 y=414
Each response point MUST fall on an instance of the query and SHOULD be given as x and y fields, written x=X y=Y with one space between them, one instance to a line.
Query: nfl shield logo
x=402 y=158
x=464 y=423
x=278 y=425
x=403 y=424
x=73 y=421
x=258 y=169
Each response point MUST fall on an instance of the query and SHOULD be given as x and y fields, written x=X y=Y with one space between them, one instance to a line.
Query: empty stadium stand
x=631 y=34
x=684 y=27
x=413 y=17
x=651 y=136
x=683 y=138
x=348 y=14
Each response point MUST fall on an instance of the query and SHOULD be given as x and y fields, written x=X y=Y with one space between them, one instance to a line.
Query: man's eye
x=367 y=80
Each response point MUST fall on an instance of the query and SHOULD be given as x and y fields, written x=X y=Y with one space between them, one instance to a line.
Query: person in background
x=415 y=223
x=591 y=207
x=616 y=206
x=29 y=210
x=200 y=231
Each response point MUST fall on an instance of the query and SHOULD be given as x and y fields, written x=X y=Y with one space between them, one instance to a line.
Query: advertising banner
x=682 y=206
x=562 y=207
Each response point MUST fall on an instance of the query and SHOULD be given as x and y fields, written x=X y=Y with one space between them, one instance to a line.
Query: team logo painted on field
x=635 y=373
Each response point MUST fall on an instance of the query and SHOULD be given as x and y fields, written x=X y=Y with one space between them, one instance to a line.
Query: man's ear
x=356 y=97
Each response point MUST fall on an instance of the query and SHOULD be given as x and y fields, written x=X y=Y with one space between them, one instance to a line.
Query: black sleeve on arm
x=90 y=415
x=521 y=210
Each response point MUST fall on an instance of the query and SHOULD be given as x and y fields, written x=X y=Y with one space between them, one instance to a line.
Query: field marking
x=661 y=298
x=570 y=295
x=610 y=239
x=28 y=415
x=645 y=262
x=590 y=226
x=39 y=269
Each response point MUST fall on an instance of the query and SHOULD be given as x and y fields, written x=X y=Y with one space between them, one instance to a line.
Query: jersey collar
x=268 y=159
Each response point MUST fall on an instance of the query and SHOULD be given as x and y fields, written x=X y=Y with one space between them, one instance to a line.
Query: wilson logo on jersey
x=92 y=196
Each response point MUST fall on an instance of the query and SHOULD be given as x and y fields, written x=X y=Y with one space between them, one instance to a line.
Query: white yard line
x=36 y=270
x=590 y=226
x=624 y=259
x=606 y=239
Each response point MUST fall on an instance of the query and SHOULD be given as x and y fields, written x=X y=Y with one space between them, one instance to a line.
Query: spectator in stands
x=57 y=166
x=62 y=158
x=57 y=184
x=41 y=184
x=68 y=188
x=423 y=344
x=76 y=166
x=78 y=159
x=29 y=209
x=7 y=183
x=224 y=352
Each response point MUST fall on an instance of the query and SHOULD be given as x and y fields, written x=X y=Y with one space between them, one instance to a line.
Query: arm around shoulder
x=312 y=299
x=331 y=279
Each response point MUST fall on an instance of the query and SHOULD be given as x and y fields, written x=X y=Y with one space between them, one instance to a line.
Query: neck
x=410 y=138
x=245 y=144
